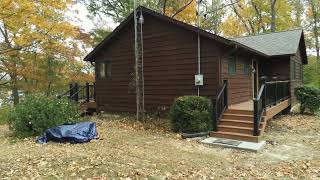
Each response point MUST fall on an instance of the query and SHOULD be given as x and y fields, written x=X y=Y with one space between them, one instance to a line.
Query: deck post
x=255 y=118
x=76 y=93
x=275 y=90
x=215 y=118
x=94 y=92
x=226 y=93
x=70 y=91
x=87 y=92
x=263 y=80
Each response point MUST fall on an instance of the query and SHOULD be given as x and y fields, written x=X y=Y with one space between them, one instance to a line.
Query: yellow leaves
x=44 y=44
x=253 y=17
x=187 y=15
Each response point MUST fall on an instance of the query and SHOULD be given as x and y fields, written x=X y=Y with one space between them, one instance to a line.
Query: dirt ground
x=132 y=150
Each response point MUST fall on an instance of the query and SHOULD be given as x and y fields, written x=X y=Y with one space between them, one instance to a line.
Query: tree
x=257 y=16
x=313 y=18
x=37 y=44
x=98 y=34
x=273 y=15
x=311 y=77
x=118 y=10
x=211 y=14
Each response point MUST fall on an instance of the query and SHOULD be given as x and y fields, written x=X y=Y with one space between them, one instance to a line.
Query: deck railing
x=277 y=91
x=220 y=104
x=80 y=93
x=270 y=94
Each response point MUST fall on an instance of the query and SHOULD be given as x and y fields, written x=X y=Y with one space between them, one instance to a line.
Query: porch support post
x=70 y=90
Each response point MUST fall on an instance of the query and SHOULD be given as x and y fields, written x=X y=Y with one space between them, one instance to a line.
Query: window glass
x=103 y=70
x=232 y=65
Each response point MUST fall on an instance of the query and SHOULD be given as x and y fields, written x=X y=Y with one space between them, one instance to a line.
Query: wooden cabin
x=250 y=79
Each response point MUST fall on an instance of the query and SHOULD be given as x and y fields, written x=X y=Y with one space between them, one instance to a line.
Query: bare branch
x=1 y=84
x=182 y=8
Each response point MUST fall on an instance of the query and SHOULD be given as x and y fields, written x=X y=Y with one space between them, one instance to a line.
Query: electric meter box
x=198 y=80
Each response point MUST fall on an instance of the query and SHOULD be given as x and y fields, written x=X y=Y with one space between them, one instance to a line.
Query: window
x=232 y=65
x=246 y=69
x=103 y=70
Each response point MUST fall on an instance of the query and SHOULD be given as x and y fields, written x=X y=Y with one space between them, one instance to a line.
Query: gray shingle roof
x=273 y=44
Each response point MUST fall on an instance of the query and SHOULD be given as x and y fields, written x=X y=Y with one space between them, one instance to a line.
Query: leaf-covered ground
x=132 y=150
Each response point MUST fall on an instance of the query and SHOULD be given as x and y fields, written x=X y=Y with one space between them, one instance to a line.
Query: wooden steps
x=236 y=136
x=238 y=125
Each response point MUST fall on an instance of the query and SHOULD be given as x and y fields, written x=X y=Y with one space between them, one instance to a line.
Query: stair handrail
x=259 y=108
x=86 y=92
x=71 y=88
x=219 y=105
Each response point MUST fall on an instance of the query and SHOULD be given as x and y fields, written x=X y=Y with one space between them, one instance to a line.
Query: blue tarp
x=74 y=133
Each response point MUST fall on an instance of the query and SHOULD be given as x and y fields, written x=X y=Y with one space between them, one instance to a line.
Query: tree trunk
x=14 y=89
x=273 y=15
x=314 y=9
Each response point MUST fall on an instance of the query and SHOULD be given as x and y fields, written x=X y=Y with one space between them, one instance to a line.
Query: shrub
x=309 y=99
x=38 y=113
x=191 y=114
x=4 y=110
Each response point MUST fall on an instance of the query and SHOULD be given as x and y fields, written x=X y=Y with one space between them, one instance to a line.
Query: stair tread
x=238 y=110
x=237 y=127
x=234 y=134
x=234 y=114
x=238 y=120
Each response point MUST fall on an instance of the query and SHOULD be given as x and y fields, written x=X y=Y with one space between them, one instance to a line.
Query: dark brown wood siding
x=116 y=93
x=239 y=85
x=170 y=63
x=297 y=80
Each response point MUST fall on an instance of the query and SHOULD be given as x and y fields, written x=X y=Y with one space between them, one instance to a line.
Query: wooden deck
x=247 y=106
x=271 y=111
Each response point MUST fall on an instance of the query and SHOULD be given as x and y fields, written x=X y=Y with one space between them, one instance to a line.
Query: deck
x=271 y=110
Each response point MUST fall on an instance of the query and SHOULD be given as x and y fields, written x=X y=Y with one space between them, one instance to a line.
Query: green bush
x=191 y=114
x=38 y=113
x=309 y=99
